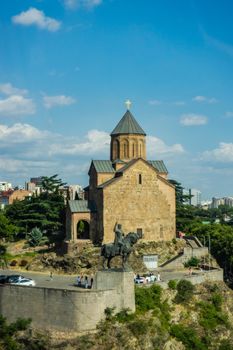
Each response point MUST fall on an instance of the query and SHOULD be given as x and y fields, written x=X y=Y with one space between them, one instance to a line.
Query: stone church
x=126 y=189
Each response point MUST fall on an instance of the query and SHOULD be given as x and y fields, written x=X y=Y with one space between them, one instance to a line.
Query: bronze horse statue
x=110 y=250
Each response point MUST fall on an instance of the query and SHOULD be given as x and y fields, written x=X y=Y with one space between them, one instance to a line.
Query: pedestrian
x=190 y=271
x=51 y=276
x=158 y=277
x=86 y=282
x=92 y=280
x=78 y=280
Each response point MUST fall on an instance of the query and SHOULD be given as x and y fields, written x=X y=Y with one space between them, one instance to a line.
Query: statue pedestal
x=120 y=280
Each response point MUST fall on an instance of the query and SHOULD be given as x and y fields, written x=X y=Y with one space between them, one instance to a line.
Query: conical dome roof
x=128 y=125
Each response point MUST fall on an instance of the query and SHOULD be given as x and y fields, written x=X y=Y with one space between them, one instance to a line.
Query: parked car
x=2 y=279
x=13 y=278
x=151 y=278
x=24 y=282
x=139 y=280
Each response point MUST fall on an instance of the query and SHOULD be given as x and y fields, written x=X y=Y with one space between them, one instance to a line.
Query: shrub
x=109 y=311
x=193 y=262
x=139 y=327
x=172 y=284
x=124 y=316
x=13 y=262
x=185 y=291
x=217 y=301
x=187 y=336
x=210 y=317
x=23 y=263
x=226 y=344
x=147 y=298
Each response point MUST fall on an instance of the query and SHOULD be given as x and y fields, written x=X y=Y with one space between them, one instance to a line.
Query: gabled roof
x=158 y=165
x=128 y=125
x=151 y=164
x=81 y=206
x=103 y=166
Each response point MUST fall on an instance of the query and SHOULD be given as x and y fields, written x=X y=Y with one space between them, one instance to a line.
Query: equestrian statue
x=122 y=246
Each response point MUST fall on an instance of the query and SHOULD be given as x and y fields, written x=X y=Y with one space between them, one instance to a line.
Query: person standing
x=51 y=276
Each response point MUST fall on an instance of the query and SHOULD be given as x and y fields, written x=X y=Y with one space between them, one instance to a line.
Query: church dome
x=128 y=125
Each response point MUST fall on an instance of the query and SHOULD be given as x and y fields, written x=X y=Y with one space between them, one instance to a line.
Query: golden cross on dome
x=128 y=104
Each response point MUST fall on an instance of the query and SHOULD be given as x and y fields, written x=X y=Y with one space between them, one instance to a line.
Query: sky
x=67 y=67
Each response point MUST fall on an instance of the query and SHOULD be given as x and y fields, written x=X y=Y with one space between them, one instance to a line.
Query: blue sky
x=67 y=66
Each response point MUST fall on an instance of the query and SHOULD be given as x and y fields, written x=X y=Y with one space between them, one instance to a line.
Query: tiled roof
x=103 y=166
x=81 y=206
x=128 y=125
x=158 y=165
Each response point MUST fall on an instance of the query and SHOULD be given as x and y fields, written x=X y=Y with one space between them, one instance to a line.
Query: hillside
x=197 y=318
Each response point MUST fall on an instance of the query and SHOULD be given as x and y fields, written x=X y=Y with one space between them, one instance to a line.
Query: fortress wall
x=67 y=310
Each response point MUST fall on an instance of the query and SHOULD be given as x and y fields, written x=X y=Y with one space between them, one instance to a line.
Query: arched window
x=140 y=150
x=83 y=230
x=116 y=149
x=133 y=147
x=140 y=179
x=125 y=150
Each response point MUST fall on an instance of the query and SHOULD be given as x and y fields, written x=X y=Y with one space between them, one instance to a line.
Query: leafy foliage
x=36 y=237
x=185 y=291
x=172 y=284
x=8 y=331
x=51 y=184
x=192 y=262
x=188 y=336
x=7 y=229
x=46 y=212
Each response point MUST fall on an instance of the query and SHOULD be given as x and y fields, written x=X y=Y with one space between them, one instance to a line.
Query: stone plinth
x=120 y=280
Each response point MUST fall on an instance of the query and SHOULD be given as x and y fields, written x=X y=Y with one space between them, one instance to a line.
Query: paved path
x=43 y=279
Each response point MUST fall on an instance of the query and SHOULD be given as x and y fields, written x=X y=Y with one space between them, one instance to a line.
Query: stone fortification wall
x=67 y=310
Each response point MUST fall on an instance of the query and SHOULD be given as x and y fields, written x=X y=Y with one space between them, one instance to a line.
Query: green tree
x=36 y=237
x=51 y=184
x=7 y=229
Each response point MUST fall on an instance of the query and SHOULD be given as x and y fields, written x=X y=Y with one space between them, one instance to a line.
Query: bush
x=225 y=345
x=13 y=262
x=139 y=327
x=187 y=336
x=217 y=301
x=172 y=284
x=124 y=316
x=193 y=262
x=23 y=263
x=147 y=298
x=210 y=317
x=109 y=311
x=185 y=291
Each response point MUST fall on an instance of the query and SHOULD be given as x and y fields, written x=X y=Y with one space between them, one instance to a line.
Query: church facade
x=126 y=189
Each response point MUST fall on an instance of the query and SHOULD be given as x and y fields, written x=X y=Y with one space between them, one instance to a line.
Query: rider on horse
x=119 y=236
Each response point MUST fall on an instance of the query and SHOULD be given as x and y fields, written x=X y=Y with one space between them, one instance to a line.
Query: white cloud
x=179 y=103
x=96 y=142
x=209 y=100
x=218 y=44
x=8 y=89
x=229 y=114
x=155 y=102
x=36 y=17
x=224 y=153
x=20 y=133
x=157 y=147
x=60 y=100
x=192 y=119
x=16 y=105
x=89 y=4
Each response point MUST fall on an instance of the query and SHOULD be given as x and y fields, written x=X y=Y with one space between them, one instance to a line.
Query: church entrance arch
x=83 y=229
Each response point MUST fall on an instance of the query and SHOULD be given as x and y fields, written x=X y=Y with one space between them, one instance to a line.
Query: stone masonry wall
x=67 y=310
x=149 y=206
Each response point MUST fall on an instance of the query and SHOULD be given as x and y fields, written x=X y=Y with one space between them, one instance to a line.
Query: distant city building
x=76 y=192
x=5 y=186
x=216 y=202
x=195 y=197
x=19 y=195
